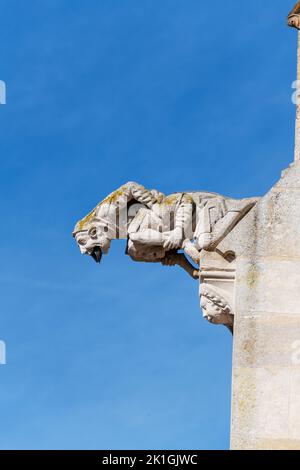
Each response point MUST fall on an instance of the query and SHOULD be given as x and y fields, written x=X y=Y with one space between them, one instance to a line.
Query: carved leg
x=148 y=237
x=190 y=250
x=146 y=228
x=179 y=259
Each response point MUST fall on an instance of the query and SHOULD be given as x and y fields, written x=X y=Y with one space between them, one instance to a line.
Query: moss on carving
x=113 y=197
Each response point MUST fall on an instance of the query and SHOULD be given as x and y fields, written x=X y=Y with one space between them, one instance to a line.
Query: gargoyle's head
x=294 y=17
x=215 y=307
x=93 y=235
x=93 y=242
x=294 y=21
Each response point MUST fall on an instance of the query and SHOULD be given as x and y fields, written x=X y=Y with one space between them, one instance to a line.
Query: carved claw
x=169 y=260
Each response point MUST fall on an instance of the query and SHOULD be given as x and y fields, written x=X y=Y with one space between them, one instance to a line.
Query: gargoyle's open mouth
x=97 y=254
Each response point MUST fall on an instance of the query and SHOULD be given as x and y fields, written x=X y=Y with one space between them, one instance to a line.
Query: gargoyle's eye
x=93 y=233
x=82 y=241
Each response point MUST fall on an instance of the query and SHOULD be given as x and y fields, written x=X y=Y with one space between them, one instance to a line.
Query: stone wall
x=266 y=356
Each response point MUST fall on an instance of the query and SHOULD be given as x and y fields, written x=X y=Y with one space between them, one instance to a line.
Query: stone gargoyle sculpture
x=294 y=17
x=158 y=227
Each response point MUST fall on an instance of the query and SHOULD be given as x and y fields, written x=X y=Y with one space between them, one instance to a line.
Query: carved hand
x=173 y=239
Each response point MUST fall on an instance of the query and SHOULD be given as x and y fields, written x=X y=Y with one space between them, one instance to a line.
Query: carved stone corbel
x=217 y=278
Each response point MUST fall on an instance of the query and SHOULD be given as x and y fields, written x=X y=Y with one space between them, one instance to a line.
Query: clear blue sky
x=176 y=95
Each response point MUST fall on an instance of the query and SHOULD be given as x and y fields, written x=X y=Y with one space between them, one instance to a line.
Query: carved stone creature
x=294 y=17
x=156 y=226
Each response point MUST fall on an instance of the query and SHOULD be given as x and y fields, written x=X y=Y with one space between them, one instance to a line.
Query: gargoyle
x=294 y=17
x=157 y=226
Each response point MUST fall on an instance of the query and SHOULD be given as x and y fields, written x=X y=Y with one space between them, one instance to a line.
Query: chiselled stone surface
x=217 y=278
x=266 y=367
